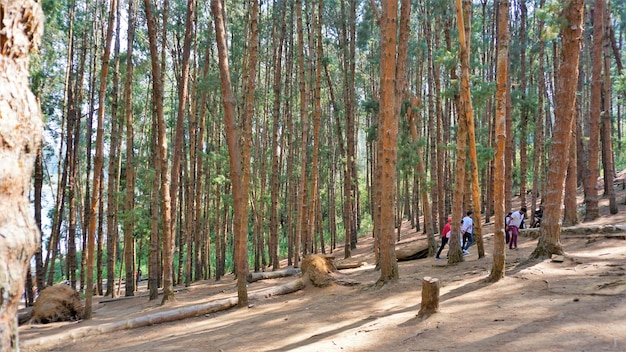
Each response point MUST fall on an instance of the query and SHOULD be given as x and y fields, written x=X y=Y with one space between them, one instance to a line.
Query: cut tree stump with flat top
x=430 y=297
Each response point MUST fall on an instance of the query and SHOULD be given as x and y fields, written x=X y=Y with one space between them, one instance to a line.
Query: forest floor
x=540 y=305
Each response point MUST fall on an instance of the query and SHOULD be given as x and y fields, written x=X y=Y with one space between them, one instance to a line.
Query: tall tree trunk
x=129 y=202
x=317 y=112
x=40 y=272
x=431 y=135
x=413 y=118
x=99 y=240
x=21 y=30
x=71 y=146
x=338 y=136
x=351 y=140
x=290 y=195
x=471 y=134
x=348 y=79
x=591 y=178
x=463 y=110
x=499 y=246
x=440 y=152
x=180 y=122
x=89 y=134
x=570 y=210
x=387 y=141
x=234 y=150
x=157 y=87
x=571 y=39
x=539 y=121
x=183 y=81
x=154 y=271
x=304 y=121
x=508 y=152
x=454 y=241
x=98 y=164
x=203 y=262
x=523 y=127
x=246 y=135
x=400 y=88
x=114 y=159
x=605 y=128
x=278 y=41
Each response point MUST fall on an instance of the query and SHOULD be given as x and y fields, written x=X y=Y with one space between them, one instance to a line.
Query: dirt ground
x=575 y=305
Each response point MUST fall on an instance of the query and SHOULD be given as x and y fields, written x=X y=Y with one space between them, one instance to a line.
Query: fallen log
x=162 y=317
x=578 y=230
x=253 y=277
x=123 y=298
x=413 y=252
x=341 y=266
x=24 y=315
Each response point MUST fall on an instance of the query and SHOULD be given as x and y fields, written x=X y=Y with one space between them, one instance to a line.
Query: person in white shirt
x=517 y=218
x=467 y=229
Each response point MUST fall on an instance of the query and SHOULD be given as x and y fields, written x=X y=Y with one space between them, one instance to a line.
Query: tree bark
x=317 y=112
x=412 y=116
x=40 y=273
x=98 y=165
x=183 y=89
x=463 y=107
x=235 y=152
x=20 y=32
x=606 y=128
x=71 y=145
x=301 y=227
x=539 y=156
x=499 y=246
x=523 y=126
x=591 y=177
x=129 y=202
x=571 y=39
x=279 y=39
x=162 y=152
x=471 y=134
x=113 y=164
x=430 y=297
x=387 y=142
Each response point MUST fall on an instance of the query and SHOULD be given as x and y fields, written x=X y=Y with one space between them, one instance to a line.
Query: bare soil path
x=576 y=305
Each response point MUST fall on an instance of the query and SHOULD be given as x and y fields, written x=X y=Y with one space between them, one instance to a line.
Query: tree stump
x=430 y=297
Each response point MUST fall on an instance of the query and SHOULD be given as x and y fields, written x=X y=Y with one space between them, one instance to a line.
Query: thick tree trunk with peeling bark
x=20 y=135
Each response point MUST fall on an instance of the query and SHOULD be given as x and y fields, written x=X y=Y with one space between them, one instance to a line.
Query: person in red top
x=445 y=236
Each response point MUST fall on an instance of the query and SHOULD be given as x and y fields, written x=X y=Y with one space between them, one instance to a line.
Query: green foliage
x=553 y=22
